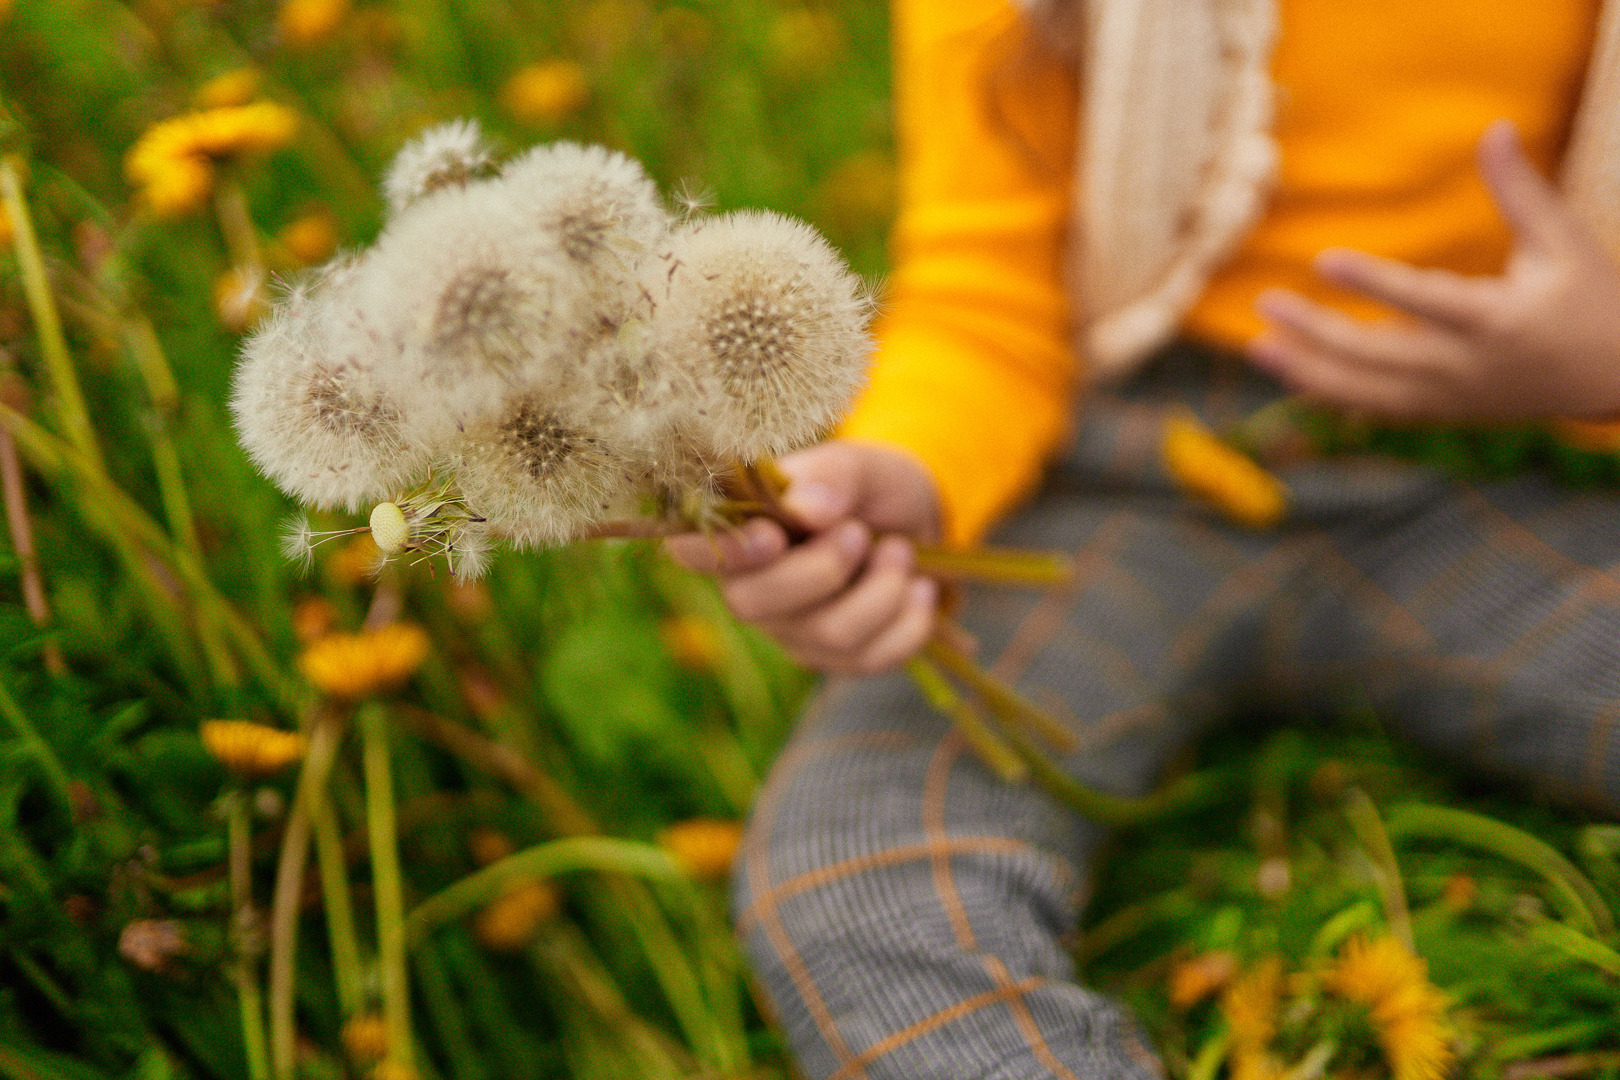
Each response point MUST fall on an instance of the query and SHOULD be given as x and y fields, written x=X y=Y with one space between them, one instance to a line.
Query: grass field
x=497 y=849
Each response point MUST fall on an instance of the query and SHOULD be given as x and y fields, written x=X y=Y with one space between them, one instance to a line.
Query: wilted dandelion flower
x=353 y=666
x=535 y=476
x=772 y=325
x=249 y=750
x=510 y=921
x=600 y=206
x=444 y=155
x=1407 y=1010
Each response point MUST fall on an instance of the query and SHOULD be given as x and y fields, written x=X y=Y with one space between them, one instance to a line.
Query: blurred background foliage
x=566 y=763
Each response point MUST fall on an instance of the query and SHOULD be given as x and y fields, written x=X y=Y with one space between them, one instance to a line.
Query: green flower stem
x=990 y=747
x=236 y=225
x=1571 y=893
x=325 y=734
x=550 y=859
x=1374 y=838
x=338 y=904
x=1008 y=705
x=118 y=518
x=387 y=884
x=30 y=737
x=1206 y=1065
x=66 y=394
x=13 y=492
x=996 y=566
x=1572 y=942
x=466 y=1063
x=239 y=829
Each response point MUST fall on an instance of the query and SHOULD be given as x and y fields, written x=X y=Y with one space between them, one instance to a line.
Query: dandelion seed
x=771 y=324
x=535 y=477
x=600 y=205
x=444 y=155
x=388 y=528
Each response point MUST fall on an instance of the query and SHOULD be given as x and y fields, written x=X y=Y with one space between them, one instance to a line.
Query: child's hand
x=1543 y=339
x=837 y=601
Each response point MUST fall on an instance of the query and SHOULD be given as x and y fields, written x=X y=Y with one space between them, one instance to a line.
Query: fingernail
x=811 y=501
x=851 y=539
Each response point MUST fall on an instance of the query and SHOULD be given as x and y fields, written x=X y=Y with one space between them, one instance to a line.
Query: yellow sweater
x=1379 y=104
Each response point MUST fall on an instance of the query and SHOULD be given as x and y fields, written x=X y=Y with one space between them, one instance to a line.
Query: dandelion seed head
x=481 y=310
x=600 y=206
x=535 y=477
x=771 y=325
x=445 y=155
x=310 y=413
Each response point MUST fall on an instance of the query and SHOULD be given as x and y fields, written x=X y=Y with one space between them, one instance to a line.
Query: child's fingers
x=906 y=634
x=1332 y=378
x=847 y=623
x=804 y=577
x=1437 y=295
x=729 y=551
x=1531 y=205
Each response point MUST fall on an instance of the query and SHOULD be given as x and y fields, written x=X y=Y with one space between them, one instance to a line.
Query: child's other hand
x=1543 y=339
x=838 y=601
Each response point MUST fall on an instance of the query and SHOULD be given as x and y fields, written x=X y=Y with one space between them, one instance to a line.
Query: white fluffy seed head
x=535 y=477
x=308 y=407
x=770 y=324
x=445 y=155
x=482 y=310
x=600 y=206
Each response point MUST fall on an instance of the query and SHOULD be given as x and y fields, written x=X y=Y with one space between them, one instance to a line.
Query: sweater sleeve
x=974 y=370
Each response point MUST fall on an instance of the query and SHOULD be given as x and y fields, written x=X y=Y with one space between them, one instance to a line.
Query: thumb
x=824 y=484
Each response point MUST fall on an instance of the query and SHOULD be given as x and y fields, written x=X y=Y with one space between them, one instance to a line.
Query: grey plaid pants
x=904 y=910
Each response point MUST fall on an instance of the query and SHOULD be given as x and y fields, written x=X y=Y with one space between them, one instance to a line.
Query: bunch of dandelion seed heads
x=531 y=350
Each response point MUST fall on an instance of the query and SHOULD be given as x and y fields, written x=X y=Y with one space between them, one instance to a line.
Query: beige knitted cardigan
x=1175 y=155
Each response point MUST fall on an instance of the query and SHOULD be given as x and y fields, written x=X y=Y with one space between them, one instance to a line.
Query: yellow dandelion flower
x=250 y=750
x=310 y=238
x=1196 y=978
x=303 y=23
x=172 y=163
x=355 y=562
x=509 y=922
x=6 y=231
x=545 y=93
x=389 y=1069
x=239 y=298
x=365 y=1036
x=1597 y=436
x=1249 y=1004
x=692 y=641
x=706 y=847
x=1406 y=1009
x=1204 y=466
x=232 y=88
x=353 y=666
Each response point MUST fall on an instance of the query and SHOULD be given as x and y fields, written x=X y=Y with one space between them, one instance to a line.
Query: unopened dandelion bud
x=442 y=156
x=770 y=323
x=388 y=528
